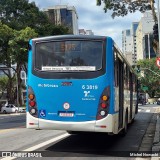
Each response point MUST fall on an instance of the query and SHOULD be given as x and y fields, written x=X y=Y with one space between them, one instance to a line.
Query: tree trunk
x=10 y=90
x=19 y=84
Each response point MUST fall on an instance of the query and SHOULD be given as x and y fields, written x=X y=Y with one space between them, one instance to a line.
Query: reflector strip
x=103 y=126
x=31 y=123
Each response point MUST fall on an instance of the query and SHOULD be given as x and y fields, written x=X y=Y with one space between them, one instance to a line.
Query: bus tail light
x=104 y=103
x=102 y=113
x=105 y=98
x=32 y=103
x=31 y=96
x=32 y=106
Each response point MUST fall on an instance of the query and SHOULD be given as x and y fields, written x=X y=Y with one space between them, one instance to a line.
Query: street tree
x=123 y=7
x=150 y=77
x=7 y=34
x=19 y=50
x=20 y=14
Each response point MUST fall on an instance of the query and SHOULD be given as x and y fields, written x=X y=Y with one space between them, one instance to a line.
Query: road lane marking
x=142 y=110
x=6 y=130
x=10 y=129
x=33 y=148
x=47 y=142
x=13 y=114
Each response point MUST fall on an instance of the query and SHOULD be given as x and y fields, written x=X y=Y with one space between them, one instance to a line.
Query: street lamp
x=149 y=50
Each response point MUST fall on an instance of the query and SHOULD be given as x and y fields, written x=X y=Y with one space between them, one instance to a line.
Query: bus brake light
x=103 y=105
x=32 y=103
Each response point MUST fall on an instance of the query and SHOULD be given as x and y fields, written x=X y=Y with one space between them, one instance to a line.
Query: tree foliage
x=6 y=34
x=20 y=14
x=123 y=7
x=18 y=49
x=3 y=85
x=19 y=45
x=151 y=78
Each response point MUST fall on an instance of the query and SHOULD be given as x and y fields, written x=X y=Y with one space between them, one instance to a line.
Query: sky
x=92 y=17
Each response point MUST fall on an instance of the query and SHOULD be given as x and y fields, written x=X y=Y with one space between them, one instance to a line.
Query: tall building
x=64 y=15
x=140 y=37
x=144 y=36
x=129 y=47
x=134 y=43
x=85 y=32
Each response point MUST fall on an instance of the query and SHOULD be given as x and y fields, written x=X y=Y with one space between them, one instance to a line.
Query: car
x=142 y=98
x=158 y=101
x=10 y=108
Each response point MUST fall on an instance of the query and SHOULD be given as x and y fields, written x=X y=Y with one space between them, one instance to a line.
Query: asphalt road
x=15 y=137
x=15 y=120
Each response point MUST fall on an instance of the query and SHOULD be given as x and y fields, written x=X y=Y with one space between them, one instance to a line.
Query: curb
x=12 y=114
x=156 y=141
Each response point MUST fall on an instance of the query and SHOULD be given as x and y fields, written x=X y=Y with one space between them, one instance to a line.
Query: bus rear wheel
x=72 y=132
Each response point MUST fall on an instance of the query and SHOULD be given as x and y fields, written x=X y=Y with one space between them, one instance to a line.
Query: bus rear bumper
x=31 y=122
x=108 y=124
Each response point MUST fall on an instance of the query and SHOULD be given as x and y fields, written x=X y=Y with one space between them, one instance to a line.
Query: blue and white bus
x=80 y=84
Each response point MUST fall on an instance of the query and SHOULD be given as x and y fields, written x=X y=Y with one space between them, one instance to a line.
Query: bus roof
x=71 y=36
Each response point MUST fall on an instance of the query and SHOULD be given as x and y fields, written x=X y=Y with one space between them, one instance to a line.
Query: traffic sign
x=145 y=88
x=158 y=62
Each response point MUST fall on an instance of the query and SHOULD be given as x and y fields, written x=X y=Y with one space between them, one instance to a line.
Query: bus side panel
x=31 y=122
x=111 y=121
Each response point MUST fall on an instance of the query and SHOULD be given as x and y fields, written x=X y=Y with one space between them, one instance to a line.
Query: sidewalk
x=156 y=141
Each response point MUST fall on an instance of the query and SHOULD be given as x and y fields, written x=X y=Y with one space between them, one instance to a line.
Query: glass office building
x=64 y=15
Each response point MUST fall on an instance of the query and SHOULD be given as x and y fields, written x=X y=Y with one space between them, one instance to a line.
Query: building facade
x=85 y=32
x=64 y=15
x=144 y=37
x=129 y=46
x=134 y=43
x=137 y=42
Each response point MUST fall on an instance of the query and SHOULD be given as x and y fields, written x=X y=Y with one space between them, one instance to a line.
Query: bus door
x=131 y=93
x=121 y=92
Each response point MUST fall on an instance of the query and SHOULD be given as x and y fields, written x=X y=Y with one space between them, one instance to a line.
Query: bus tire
x=76 y=132
x=72 y=132
x=132 y=121
x=124 y=130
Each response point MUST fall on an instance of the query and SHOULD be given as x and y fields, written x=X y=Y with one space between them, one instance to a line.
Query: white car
x=10 y=108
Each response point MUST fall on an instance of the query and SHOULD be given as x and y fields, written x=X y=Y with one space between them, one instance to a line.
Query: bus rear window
x=69 y=56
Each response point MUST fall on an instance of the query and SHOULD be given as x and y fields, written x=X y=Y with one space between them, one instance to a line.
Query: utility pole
x=158 y=14
x=149 y=49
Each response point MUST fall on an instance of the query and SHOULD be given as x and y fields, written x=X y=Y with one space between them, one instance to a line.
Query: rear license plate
x=65 y=114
